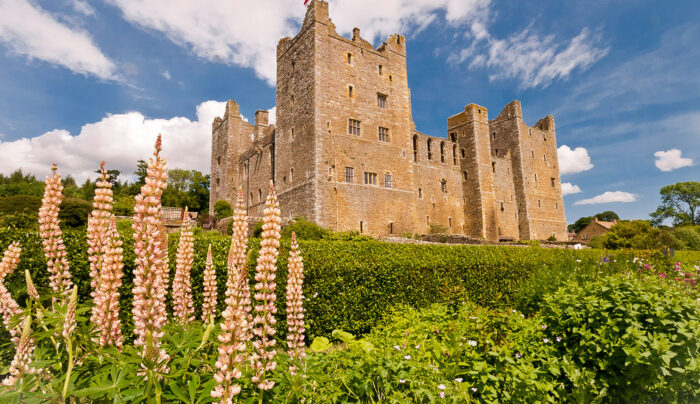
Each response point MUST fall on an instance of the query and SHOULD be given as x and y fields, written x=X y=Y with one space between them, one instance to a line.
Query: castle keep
x=345 y=153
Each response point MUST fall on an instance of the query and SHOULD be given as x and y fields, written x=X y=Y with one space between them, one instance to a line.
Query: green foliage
x=19 y=211
x=679 y=202
x=222 y=209
x=124 y=205
x=352 y=235
x=637 y=234
x=639 y=338
x=688 y=237
x=19 y=183
x=579 y=224
x=305 y=230
x=74 y=212
x=552 y=238
x=187 y=188
x=257 y=229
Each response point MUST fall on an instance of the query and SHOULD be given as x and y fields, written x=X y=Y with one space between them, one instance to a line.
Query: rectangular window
x=553 y=180
x=380 y=70
x=350 y=91
x=292 y=102
x=443 y=185
x=370 y=178
x=387 y=180
x=420 y=193
x=349 y=174
x=383 y=134
x=291 y=174
x=291 y=134
x=539 y=203
x=381 y=100
x=218 y=160
x=349 y=58
x=354 y=127
x=493 y=167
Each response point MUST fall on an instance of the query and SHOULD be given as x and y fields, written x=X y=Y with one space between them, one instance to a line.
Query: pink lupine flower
x=264 y=321
x=31 y=289
x=295 y=309
x=106 y=311
x=98 y=226
x=238 y=270
x=23 y=356
x=8 y=306
x=234 y=334
x=52 y=238
x=151 y=271
x=182 y=289
x=69 y=319
x=209 y=304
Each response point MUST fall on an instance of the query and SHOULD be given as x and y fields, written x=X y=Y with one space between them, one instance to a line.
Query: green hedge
x=348 y=285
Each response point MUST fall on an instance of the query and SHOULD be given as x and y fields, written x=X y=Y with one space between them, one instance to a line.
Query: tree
x=222 y=209
x=679 y=202
x=607 y=216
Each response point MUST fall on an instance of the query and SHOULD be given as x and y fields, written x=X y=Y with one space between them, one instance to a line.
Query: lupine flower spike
x=23 y=356
x=31 y=289
x=295 y=309
x=209 y=304
x=232 y=340
x=106 y=312
x=264 y=321
x=98 y=225
x=182 y=289
x=238 y=271
x=150 y=274
x=8 y=306
x=52 y=239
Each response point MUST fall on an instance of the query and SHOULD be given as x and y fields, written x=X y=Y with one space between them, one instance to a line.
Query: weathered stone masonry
x=345 y=152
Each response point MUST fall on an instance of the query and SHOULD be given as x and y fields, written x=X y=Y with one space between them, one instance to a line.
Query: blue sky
x=82 y=81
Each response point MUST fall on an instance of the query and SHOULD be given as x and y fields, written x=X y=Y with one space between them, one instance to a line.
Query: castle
x=345 y=152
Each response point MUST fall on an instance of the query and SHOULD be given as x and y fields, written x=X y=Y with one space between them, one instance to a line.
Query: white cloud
x=28 y=30
x=534 y=60
x=246 y=34
x=573 y=161
x=568 y=188
x=608 y=197
x=166 y=74
x=670 y=160
x=120 y=140
x=82 y=7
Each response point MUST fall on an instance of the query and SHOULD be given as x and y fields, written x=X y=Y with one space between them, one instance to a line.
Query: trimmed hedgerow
x=348 y=285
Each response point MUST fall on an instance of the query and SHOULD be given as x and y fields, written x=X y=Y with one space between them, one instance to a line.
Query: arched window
x=430 y=152
x=415 y=148
x=442 y=152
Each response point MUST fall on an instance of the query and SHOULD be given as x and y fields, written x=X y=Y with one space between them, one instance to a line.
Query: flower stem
x=69 y=347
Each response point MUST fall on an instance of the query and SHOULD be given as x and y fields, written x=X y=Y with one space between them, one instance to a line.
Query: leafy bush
x=463 y=354
x=353 y=235
x=74 y=212
x=640 y=338
x=305 y=230
x=257 y=229
x=222 y=209
x=637 y=234
x=688 y=236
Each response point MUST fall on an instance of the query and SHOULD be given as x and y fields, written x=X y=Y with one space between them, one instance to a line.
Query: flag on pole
x=306 y=2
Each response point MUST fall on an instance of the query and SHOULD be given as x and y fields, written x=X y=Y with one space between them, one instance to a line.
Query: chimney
x=262 y=117
x=355 y=33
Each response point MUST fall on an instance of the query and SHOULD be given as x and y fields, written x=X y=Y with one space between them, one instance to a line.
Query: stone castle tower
x=345 y=153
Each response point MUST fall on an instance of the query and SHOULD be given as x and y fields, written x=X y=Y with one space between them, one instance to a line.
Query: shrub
x=305 y=230
x=688 y=236
x=640 y=338
x=257 y=229
x=74 y=212
x=552 y=238
x=353 y=235
x=222 y=209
